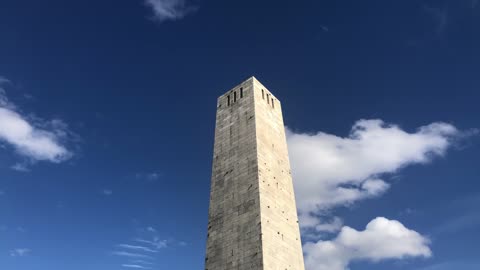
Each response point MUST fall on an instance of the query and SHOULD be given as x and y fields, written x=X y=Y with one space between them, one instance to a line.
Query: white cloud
x=382 y=239
x=19 y=252
x=136 y=247
x=131 y=254
x=107 y=192
x=155 y=242
x=330 y=171
x=135 y=266
x=35 y=139
x=331 y=227
x=142 y=262
x=144 y=249
x=20 y=167
x=320 y=224
x=169 y=10
x=30 y=141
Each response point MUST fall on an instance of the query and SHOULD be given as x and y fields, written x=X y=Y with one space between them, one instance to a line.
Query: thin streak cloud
x=131 y=254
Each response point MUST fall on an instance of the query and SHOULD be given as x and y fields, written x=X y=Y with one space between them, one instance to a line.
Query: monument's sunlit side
x=253 y=222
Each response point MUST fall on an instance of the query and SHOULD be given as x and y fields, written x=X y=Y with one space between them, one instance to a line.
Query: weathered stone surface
x=253 y=221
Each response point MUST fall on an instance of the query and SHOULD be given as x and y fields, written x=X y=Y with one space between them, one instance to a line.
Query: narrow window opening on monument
x=273 y=104
x=234 y=97
x=268 y=98
x=241 y=92
x=228 y=100
x=263 y=94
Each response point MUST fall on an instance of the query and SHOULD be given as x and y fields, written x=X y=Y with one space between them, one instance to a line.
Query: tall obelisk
x=253 y=222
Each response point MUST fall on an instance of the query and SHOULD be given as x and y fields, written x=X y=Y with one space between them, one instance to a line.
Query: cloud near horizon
x=331 y=171
x=382 y=239
x=169 y=10
x=32 y=138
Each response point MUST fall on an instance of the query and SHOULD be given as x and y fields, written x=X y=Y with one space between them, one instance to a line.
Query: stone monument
x=253 y=222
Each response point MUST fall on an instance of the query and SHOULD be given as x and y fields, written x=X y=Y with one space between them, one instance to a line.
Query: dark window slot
x=234 y=97
x=241 y=92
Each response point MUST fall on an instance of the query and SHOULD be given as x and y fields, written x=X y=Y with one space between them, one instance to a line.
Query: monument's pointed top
x=253 y=78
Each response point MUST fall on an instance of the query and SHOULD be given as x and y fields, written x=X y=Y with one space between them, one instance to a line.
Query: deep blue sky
x=140 y=97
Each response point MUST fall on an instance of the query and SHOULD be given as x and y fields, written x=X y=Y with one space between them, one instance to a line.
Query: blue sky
x=107 y=118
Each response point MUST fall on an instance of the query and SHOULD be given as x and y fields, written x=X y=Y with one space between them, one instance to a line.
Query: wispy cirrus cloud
x=154 y=242
x=150 y=176
x=142 y=250
x=20 y=167
x=20 y=252
x=169 y=10
x=131 y=254
x=142 y=262
x=31 y=137
x=459 y=215
x=136 y=247
x=439 y=16
x=136 y=266
x=107 y=192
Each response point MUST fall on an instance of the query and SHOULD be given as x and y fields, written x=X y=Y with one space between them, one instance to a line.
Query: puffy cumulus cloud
x=169 y=10
x=382 y=239
x=33 y=138
x=330 y=171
